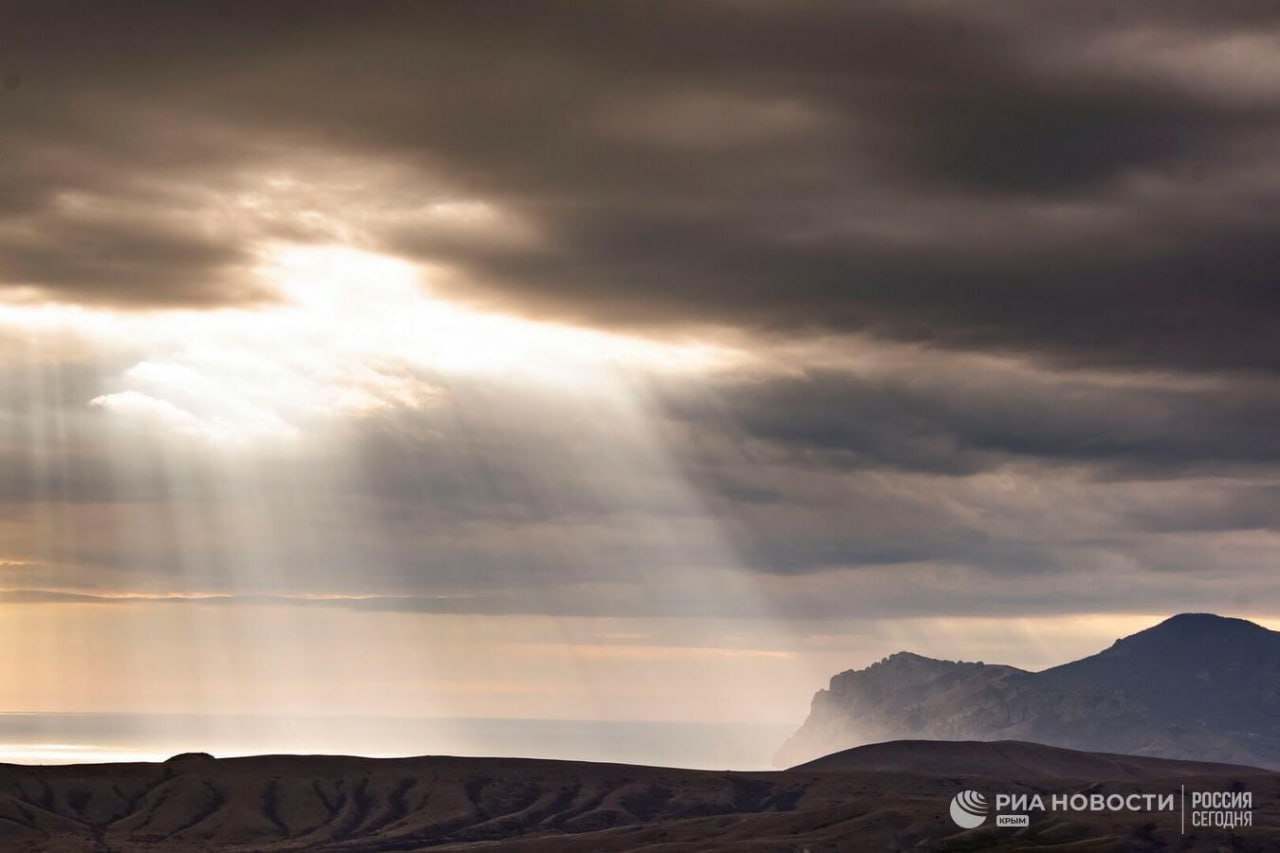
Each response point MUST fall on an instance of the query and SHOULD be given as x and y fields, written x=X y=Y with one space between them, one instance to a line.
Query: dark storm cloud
x=91 y=259
x=1087 y=190
x=986 y=175
x=947 y=417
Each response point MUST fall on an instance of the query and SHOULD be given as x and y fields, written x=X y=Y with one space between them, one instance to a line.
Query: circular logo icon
x=968 y=809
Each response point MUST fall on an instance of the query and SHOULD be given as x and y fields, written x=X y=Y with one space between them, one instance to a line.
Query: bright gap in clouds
x=351 y=332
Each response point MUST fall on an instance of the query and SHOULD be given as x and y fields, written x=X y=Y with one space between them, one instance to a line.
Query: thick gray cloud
x=946 y=416
x=917 y=489
x=1064 y=215
x=987 y=175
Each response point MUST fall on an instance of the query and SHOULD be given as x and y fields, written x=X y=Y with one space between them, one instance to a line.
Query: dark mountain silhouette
x=1196 y=686
x=892 y=796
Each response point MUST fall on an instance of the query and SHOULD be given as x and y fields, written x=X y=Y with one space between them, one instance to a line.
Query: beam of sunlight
x=349 y=332
x=233 y=508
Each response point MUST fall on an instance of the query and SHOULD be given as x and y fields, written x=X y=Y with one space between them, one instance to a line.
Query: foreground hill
x=1196 y=686
x=887 y=797
x=1009 y=759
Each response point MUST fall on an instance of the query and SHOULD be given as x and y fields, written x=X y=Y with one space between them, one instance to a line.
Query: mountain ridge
x=1194 y=686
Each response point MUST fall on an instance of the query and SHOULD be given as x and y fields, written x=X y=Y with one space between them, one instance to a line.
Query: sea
x=76 y=738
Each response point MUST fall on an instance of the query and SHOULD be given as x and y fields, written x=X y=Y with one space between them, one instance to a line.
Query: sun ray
x=247 y=470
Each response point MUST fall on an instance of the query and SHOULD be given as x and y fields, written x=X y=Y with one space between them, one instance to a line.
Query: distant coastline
x=74 y=738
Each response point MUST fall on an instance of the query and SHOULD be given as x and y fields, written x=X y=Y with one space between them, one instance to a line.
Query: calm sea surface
x=60 y=738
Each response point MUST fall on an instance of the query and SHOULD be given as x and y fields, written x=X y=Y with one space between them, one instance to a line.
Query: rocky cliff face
x=1196 y=686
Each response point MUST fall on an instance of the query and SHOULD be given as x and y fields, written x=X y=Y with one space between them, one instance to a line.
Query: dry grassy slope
x=317 y=803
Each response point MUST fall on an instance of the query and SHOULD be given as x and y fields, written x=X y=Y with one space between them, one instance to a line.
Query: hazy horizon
x=720 y=741
x=97 y=738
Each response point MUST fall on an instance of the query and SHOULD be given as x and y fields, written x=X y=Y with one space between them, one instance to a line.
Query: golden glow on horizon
x=72 y=753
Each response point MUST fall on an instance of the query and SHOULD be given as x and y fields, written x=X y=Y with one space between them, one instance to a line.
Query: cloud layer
x=999 y=277
x=1093 y=187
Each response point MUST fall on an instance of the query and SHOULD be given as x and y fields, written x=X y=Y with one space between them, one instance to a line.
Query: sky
x=622 y=361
